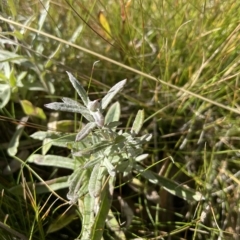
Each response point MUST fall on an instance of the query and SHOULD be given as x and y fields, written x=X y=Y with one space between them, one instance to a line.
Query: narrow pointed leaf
x=74 y=108
x=14 y=143
x=31 y=110
x=62 y=221
x=95 y=148
x=138 y=122
x=113 y=125
x=92 y=162
x=85 y=131
x=112 y=92
x=77 y=184
x=109 y=166
x=169 y=185
x=52 y=160
x=113 y=225
x=104 y=208
x=93 y=180
x=79 y=88
x=88 y=218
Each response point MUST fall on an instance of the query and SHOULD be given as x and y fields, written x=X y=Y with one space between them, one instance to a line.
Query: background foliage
x=163 y=48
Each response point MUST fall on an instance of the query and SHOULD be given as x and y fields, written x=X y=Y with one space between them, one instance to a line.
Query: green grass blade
x=169 y=185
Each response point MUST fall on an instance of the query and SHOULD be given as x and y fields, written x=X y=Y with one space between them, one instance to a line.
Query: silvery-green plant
x=99 y=152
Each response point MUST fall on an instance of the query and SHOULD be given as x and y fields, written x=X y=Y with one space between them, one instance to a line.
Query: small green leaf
x=112 y=92
x=95 y=148
x=52 y=160
x=41 y=135
x=7 y=56
x=113 y=113
x=138 y=122
x=78 y=183
x=62 y=221
x=85 y=131
x=79 y=88
x=93 y=180
x=92 y=162
x=44 y=14
x=13 y=145
x=5 y=94
x=109 y=166
x=31 y=110
x=113 y=225
x=76 y=34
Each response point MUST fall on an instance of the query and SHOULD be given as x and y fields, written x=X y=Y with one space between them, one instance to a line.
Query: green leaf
x=62 y=221
x=55 y=184
x=7 y=56
x=76 y=34
x=169 y=185
x=74 y=107
x=14 y=143
x=103 y=210
x=138 y=122
x=109 y=166
x=12 y=7
x=88 y=218
x=78 y=183
x=44 y=14
x=5 y=94
x=31 y=110
x=113 y=225
x=79 y=88
x=113 y=113
x=94 y=148
x=52 y=160
x=85 y=131
x=55 y=138
x=92 y=162
x=93 y=181
x=112 y=92
x=41 y=135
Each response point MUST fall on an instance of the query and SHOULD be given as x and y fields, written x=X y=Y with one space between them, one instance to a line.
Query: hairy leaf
x=79 y=88
x=85 y=131
x=75 y=108
x=138 y=122
x=112 y=92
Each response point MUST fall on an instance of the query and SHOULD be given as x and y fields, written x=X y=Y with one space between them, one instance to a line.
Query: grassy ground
x=181 y=59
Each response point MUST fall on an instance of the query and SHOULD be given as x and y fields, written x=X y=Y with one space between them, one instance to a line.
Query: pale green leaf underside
x=52 y=160
x=112 y=92
x=85 y=131
x=138 y=122
x=75 y=108
x=113 y=113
